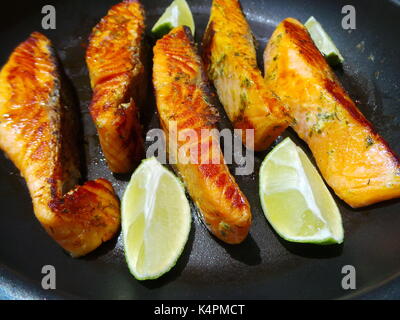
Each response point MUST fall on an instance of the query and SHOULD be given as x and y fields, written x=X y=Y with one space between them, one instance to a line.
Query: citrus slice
x=156 y=220
x=323 y=42
x=295 y=200
x=177 y=14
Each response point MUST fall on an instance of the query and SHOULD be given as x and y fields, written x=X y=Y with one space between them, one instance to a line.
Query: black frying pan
x=264 y=266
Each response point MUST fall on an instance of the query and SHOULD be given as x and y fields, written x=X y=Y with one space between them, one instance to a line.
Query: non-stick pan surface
x=264 y=266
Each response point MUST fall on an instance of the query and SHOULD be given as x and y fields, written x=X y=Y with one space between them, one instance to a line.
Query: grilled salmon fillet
x=182 y=94
x=353 y=158
x=116 y=62
x=37 y=132
x=230 y=59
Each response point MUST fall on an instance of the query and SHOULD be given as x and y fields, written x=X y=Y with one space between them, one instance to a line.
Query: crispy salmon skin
x=182 y=95
x=37 y=132
x=353 y=158
x=116 y=63
x=230 y=59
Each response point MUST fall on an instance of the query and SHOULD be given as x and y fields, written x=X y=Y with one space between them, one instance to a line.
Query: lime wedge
x=177 y=14
x=156 y=220
x=295 y=200
x=323 y=42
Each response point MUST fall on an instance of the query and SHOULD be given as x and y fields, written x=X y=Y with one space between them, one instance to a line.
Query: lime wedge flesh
x=177 y=14
x=323 y=42
x=295 y=200
x=156 y=220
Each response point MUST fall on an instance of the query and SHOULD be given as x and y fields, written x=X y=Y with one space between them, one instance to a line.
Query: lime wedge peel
x=177 y=14
x=295 y=200
x=323 y=42
x=156 y=220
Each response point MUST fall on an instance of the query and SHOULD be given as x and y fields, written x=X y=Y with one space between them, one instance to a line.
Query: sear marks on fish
x=230 y=59
x=116 y=63
x=182 y=94
x=38 y=133
x=353 y=158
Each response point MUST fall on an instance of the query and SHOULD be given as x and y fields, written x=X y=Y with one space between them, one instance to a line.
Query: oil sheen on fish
x=230 y=58
x=353 y=158
x=38 y=133
x=115 y=58
x=182 y=93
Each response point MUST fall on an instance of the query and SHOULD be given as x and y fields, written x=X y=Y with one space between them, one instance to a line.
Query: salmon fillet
x=353 y=158
x=116 y=63
x=230 y=59
x=38 y=133
x=183 y=95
